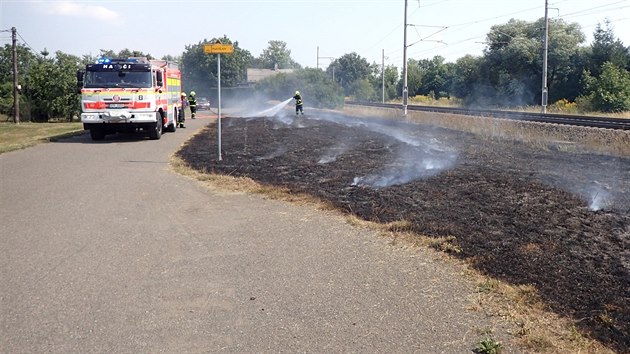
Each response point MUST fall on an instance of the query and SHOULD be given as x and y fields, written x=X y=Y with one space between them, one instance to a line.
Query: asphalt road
x=105 y=250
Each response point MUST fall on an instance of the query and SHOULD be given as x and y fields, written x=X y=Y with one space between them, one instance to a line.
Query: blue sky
x=337 y=27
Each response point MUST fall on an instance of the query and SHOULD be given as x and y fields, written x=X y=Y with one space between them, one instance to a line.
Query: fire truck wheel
x=97 y=133
x=173 y=126
x=155 y=132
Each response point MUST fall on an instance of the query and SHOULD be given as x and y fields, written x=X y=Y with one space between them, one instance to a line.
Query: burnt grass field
x=559 y=221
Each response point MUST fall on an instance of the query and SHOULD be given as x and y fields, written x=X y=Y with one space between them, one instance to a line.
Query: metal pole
x=219 y=108
x=318 y=57
x=545 y=91
x=383 y=74
x=405 y=92
x=16 y=91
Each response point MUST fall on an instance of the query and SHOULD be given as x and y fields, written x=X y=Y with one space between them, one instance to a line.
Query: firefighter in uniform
x=182 y=116
x=192 y=102
x=299 y=104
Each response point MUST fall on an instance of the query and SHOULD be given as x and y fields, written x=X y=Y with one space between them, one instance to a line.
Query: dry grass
x=559 y=107
x=562 y=109
x=19 y=136
x=541 y=135
x=538 y=330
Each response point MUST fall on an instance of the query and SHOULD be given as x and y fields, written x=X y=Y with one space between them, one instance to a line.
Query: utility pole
x=329 y=58
x=405 y=92
x=545 y=92
x=16 y=90
x=383 y=74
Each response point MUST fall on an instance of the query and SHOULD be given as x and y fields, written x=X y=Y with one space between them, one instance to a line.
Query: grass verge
x=19 y=136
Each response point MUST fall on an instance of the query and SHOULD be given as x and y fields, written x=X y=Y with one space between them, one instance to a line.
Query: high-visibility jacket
x=298 y=99
x=192 y=101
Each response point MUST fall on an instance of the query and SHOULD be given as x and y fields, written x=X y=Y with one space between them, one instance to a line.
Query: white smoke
x=284 y=119
x=422 y=157
x=602 y=186
x=281 y=150
x=598 y=196
x=331 y=154
x=413 y=164
x=268 y=112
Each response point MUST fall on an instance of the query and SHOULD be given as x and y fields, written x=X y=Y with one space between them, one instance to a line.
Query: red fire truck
x=130 y=95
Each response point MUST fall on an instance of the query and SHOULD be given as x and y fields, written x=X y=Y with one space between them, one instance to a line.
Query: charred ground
x=558 y=221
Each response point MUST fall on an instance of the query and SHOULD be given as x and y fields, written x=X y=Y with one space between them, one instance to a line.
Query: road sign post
x=218 y=48
x=219 y=108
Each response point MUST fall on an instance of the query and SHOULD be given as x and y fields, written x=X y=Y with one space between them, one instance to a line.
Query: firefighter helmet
x=183 y=94
x=297 y=92
x=192 y=93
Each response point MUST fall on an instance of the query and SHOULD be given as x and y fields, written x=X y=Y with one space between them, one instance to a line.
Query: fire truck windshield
x=113 y=79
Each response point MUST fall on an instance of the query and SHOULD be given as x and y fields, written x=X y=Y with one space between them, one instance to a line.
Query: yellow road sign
x=218 y=48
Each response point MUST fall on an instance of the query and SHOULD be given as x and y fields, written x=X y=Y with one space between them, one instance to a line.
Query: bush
x=6 y=98
x=363 y=90
x=584 y=104
x=429 y=100
x=564 y=106
x=488 y=346
x=610 y=92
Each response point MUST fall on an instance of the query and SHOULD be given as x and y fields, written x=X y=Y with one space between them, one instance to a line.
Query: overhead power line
x=596 y=7
x=426 y=38
x=493 y=18
x=433 y=4
x=25 y=42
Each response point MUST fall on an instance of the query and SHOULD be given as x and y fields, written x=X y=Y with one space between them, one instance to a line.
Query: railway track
x=566 y=119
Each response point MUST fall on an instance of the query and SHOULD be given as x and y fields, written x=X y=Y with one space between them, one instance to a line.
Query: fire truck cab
x=130 y=95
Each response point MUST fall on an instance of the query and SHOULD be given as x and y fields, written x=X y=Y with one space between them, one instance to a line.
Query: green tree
x=414 y=78
x=26 y=60
x=277 y=56
x=466 y=76
x=436 y=77
x=348 y=69
x=513 y=60
x=172 y=58
x=610 y=92
x=607 y=48
x=51 y=87
x=364 y=90
x=391 y=80
x=199 y=70
x=125 y=53
x=565 y=59
x=571 y=86
x=6 y=97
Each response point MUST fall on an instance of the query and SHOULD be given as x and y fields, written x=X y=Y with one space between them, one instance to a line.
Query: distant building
x=255 y=75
